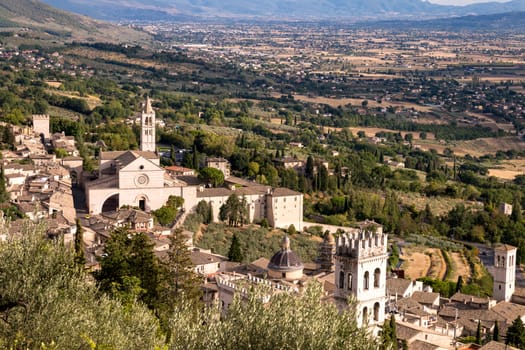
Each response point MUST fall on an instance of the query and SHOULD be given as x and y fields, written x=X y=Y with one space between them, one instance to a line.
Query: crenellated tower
x=360 y=272
x=147 y=127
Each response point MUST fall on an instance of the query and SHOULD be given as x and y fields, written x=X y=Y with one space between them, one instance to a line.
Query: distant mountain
x=41 y=17
x=502 y=21
x=277 y=9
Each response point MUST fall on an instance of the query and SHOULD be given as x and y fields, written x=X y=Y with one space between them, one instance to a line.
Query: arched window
x=349 y=281
x=377 y=276
x=341 y=280
x=366 y=280
x=376 y=312
x=365 y=315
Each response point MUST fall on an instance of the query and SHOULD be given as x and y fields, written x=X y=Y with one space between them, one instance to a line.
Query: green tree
x=35 y=314
x=234 y=210
x=212 y=175
x=235 y=252
x=389 y=335
x=516 y=334
x=179 y=281
x=495 y=334
x=128 y=263
x=478 y=333
x=253 y=169
x=4 y=196
x=80 y=258
x=303 y=323
x=291 y=230
x=459 y=284
x=205 y=211
x=309 y=167
x=516 y=214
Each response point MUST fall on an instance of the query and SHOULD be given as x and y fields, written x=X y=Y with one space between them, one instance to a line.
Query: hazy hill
x=277 y=9
x=41 y=17
x=514 y=21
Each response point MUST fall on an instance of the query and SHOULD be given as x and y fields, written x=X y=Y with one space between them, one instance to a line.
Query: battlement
x=362 y=244
x=40 y=117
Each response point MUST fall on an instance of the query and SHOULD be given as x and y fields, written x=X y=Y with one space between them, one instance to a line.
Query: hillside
x=513 y=21
x=357 y=10
x=43 y=18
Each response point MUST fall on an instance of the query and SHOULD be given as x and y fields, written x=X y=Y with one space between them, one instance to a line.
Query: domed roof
x=285 y=260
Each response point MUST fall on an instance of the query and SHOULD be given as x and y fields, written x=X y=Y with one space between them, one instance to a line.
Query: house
x=429 y=300
x=402 y=288
x=206 y=263
x=175 y=170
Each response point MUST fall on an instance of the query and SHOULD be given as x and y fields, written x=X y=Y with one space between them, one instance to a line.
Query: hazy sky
x=462 y=2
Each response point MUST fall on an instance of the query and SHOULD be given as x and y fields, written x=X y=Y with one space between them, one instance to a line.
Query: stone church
x=135 y=178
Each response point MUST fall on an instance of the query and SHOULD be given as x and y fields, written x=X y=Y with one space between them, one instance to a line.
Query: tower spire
x=147 y=127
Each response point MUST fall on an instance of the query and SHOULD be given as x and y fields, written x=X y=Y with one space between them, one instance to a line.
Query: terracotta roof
x=425 y=297
x=397 y=286
x=505 y=247
x=111 y=155
x=261 y=263
x=494 y=345
x=509 y=311
x=422 y=345
x=282 y=192
x=200 y=258
x=466 y=298
x=405 y=333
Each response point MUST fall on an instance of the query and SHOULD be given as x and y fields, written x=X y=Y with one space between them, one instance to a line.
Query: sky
x=461 y=2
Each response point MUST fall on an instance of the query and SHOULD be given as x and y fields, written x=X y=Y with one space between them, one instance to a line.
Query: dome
x=285 y=260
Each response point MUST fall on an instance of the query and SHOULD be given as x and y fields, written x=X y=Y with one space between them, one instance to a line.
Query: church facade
x=135 y=178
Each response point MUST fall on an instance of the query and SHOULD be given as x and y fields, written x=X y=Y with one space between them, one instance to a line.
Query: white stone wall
x=283 y=211
x=41 y=124
x=504 y=274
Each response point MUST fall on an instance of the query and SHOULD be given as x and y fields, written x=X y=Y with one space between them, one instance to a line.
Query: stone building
x=136 y=179
x=327 y=253
x=360 y=272
x=504 y=272
x=147 y=127
x=41 y=125
x=285 y=264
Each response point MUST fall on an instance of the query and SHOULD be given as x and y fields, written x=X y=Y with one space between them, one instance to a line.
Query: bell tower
x=360 y=272
x=504 y=272
x=147 y=127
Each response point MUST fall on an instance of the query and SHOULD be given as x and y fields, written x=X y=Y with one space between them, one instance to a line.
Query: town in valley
x=205 y=176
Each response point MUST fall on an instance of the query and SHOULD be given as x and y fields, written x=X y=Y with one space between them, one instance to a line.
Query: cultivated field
x=422 y=261
x=461 y=267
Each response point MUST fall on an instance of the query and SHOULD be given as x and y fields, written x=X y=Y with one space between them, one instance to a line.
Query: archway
x=74 y=178
x=111 y=203
x=376 y=311
x=365 y=315
x=142 y=202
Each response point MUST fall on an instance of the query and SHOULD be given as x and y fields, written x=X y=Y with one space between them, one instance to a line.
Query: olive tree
x=45 y=300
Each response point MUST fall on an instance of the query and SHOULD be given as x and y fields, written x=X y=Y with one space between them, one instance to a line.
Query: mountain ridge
x=41 y=17
x=117 y=10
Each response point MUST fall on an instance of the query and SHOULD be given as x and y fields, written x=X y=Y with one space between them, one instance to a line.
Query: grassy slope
x=40 y=17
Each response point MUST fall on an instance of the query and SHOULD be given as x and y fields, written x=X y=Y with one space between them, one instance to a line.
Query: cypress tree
x=80 y=258
x=495 y=335
x=235 y=253
x=459 y=284
x=478 y=333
